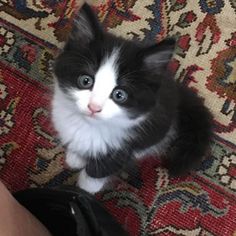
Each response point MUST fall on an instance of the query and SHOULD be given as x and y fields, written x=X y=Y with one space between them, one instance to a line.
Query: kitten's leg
x=74 y=161
x=98 y=171
x=90 y=184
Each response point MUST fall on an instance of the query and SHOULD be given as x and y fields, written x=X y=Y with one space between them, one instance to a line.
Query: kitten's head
x=108 y=77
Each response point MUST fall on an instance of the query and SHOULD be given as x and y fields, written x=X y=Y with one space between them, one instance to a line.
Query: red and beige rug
x=30 y=154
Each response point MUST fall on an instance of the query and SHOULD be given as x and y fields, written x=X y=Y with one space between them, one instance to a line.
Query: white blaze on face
x=105 y=82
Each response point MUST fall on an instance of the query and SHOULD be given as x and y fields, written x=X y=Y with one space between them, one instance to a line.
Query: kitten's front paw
x=89 y=184
x=74 y=161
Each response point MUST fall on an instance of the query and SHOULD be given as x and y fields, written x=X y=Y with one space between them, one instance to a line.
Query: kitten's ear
x=158 y=55
x=86 y=26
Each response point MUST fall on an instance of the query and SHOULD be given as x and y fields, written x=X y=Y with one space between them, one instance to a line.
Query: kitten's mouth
x=91 y=115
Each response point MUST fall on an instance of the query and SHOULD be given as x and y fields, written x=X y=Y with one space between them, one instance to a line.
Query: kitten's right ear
x=86 y=26
x=158 y=55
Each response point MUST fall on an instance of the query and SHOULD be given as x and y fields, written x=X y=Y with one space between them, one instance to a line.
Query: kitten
x=116 y=101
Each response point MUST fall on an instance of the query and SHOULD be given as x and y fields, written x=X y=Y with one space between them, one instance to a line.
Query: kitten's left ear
x=86 y=26
x=158 y=56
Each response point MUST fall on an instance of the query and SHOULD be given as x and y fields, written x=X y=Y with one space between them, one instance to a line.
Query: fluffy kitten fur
x=158 y=114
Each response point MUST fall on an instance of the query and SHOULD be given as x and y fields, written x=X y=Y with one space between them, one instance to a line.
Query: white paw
x=74 y=161
x=89 y=184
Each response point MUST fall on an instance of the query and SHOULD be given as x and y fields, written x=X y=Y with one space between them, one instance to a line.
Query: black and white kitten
x=115 y=101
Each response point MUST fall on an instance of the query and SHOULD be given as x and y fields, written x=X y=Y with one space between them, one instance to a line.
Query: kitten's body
x=103 y=133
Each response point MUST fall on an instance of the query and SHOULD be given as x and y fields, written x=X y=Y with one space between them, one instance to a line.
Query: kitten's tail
x=194 y=133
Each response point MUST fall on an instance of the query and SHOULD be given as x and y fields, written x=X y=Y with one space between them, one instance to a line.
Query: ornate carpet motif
x=31 y=32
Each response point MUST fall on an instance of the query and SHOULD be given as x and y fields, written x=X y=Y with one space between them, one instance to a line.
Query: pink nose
x=94 y=108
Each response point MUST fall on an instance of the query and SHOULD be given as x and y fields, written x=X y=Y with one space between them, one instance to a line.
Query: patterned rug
x=154 y=204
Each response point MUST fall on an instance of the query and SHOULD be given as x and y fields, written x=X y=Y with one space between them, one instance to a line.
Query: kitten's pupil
x=119 y=95
x=85 y=81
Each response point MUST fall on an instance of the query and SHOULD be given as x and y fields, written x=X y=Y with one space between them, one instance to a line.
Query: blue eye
x=85 y=82
x=119 y=95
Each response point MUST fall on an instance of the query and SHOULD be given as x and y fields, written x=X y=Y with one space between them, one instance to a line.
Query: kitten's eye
x=85 y=81
x=119 y=95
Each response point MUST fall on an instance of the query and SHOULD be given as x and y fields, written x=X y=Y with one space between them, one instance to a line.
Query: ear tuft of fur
x=158 y=55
